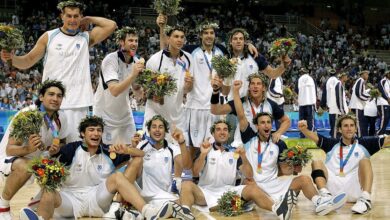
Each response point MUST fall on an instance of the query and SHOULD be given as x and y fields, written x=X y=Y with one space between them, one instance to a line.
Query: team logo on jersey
x=78 y=46
x=212 y=160
x=230 y=161
x=356 y=154
x=108 y=136
x=251 y=67
x=166 y=159
x=201 y=61
x=99 y=167
x=58 y=47
x=147 y=156
x=271 y=153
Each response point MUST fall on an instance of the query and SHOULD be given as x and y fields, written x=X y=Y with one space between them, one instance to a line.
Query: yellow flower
x=160 y=79
x=6 y=28
x=233 y=61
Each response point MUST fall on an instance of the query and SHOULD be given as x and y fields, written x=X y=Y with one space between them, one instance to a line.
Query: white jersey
x=307 y=92
x=245 y=67
x=199 y=97
x=359 y=95
x=67 y=60
x=115 y=111
x=370 y=108
x=384 y=88
x=275 y=90
x=330 y=89
x=220 y=170
x=362 y=148
x=157 y=169
x=172 y=109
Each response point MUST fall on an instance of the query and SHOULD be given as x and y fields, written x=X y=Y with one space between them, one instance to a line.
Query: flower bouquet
x=11 y=38
x=297 y=157
x=225 y=68
x=282 y=47
x=50 y=174
x=157 y=85
x=25 y=124
x=167 y=7
x=374 y=93
x=230 y=204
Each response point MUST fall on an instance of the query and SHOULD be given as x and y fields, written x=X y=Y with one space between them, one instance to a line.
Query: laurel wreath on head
x=239 y=30
x=121 y=33
x=207 y=25
x=71 y=3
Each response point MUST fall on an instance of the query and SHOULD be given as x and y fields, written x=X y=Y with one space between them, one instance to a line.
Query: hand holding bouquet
x=282 y=47
x=374 y=93
x=49 y=173
x=230 y=204
x=25 y=124
x=296 y=156
x=11 y=39
x=167 y=7
x=225 y=68
x=157 y=85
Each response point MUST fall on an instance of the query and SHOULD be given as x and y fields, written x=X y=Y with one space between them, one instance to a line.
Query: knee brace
x=317 y=173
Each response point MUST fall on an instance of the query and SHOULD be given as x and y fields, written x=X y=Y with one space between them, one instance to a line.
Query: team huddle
x=221 y=131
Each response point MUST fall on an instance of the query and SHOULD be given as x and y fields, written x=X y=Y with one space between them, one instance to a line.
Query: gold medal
x=342 y=174
x=236 y=155
x=56 y=141
x=259 y=170
x=112 y=155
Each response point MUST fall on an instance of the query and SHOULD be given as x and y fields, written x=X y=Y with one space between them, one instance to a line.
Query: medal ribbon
x=260 y=154
x=342 y=161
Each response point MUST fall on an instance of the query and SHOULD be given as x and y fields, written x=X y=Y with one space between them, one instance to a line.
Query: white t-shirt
x=199 y=97
x=115 y=111
x=67 y=60
x=306 y=90
x=157 y=168
x=172 y=109
x=45 y=133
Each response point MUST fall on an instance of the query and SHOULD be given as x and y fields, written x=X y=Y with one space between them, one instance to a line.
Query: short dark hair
x=158 y=117
x=261 y=114
x=42 y=88
x=212 y=129
x=170 y=29
x=90 y=121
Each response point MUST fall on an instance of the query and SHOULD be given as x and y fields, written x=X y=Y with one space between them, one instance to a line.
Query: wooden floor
x=304 y=209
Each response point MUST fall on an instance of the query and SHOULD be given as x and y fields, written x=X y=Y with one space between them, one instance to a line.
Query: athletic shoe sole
x=337 y=202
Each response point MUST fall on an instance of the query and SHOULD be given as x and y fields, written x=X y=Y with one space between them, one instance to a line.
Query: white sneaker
x=111 y=213
x=152 y=212
x=283 y=208
x=5 y=215
x=28 y=214
x=328 y=204
x=362 y=206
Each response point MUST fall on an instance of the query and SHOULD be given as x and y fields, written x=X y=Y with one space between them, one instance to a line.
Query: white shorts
x=74 y=117
x=92 y=203
x=276 y=188
x=212 y=195
x=123 y=134
x=349 y=184
x=198 y=124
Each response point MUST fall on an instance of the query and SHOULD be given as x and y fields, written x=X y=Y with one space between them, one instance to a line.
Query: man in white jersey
x=15 y=155
x=264 y=157
x=383 y=103
x=358 y=101
x=347 y=167
x=341 y=107
x=217 y=168
x=157 y=165
x=328 y=100
x=254 y=103
x=275 y=93
x=66 y=58
x=91 y=184
x=307 y=97
x=119 y=70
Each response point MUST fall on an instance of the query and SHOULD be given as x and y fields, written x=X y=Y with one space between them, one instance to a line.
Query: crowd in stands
x=343 y=49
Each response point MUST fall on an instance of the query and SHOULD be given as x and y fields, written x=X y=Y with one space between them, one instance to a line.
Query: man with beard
x=119 y=71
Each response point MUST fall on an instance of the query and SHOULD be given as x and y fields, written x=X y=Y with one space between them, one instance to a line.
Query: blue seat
x=294 y=124
x=326 y=124
x=318 y=124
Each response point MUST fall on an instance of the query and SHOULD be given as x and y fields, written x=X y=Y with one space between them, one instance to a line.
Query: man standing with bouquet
x=66 y=58
x=16 y=153
x=347 y=167
x=265 y=159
